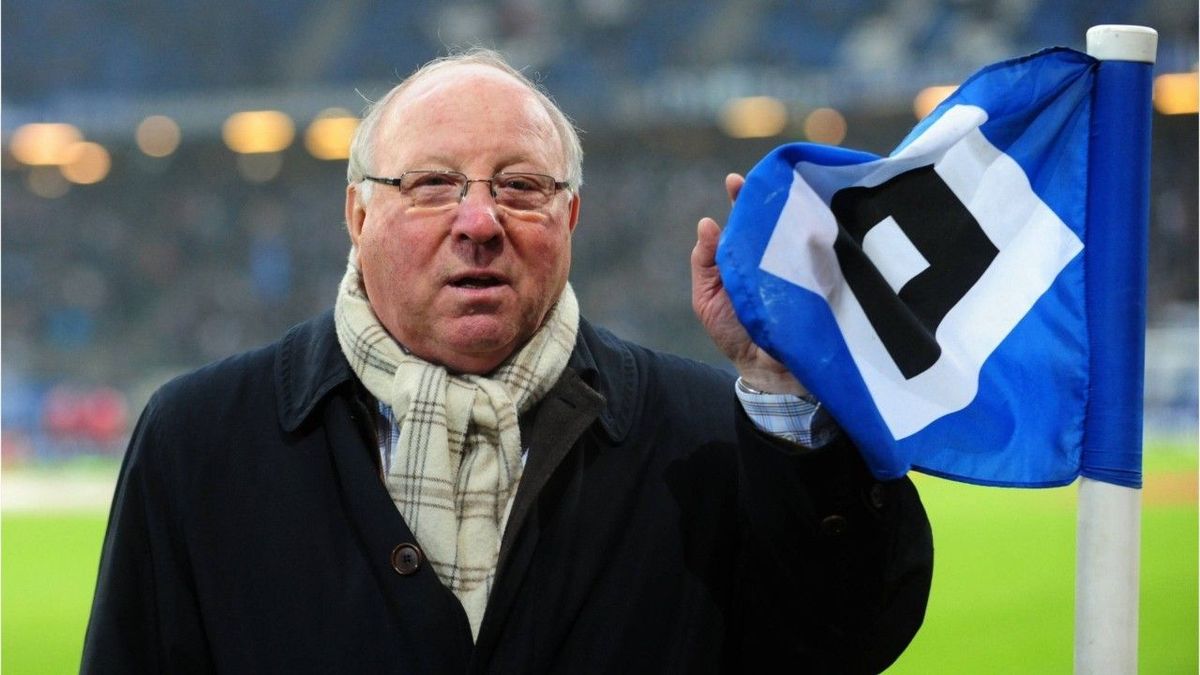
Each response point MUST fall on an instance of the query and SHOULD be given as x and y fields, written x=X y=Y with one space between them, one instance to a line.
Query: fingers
x=706 y=278
x=708 y=233
x=733 y=185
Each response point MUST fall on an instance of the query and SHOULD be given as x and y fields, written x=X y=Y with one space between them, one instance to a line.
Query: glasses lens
x=523 y=190
x=432 y=188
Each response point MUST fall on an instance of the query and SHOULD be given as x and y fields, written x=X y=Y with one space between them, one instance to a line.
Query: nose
x=477 y=217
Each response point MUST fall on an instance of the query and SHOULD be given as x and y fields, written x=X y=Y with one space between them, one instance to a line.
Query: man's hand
x=711 y=304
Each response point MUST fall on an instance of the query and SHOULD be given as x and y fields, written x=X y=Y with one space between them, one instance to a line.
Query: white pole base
x=1106 y=578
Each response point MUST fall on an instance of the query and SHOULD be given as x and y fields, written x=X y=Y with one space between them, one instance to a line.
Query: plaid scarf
x=456 y=463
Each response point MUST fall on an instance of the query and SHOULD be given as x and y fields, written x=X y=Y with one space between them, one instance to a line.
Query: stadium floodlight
x=929 y=98
x=1177 y=93
x=754 y=117
x=329 y=135
x=258 y=131
x=158 y=136
x=43 y=144
x=825 y=125
x=86 y=163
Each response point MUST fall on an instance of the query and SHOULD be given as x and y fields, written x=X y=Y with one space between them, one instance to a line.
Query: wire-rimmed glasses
x=514 y=190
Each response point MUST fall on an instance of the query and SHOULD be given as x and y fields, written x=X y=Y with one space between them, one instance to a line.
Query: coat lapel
x=314 y=384
x=423 y=606
x=599 y=387
x=563 y=415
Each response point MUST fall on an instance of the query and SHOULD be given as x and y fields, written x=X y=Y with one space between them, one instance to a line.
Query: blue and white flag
x=935 y=299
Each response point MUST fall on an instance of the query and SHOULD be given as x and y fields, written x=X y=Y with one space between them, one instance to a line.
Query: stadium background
x=148 y=238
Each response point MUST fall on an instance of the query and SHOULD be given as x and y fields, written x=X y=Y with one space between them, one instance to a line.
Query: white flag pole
x=1109 y=525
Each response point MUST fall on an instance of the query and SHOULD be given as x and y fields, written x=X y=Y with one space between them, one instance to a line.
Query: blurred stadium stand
x=110 y=288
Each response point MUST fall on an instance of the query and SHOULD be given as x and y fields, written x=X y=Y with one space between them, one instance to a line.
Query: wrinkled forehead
x=470 y=97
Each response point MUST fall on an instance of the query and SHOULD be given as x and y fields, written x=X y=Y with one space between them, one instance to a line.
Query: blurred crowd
x=168 y=263
x=584 y=45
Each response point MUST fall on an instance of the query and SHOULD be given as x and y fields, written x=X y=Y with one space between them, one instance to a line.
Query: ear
x=356 y=213
x=574 y=217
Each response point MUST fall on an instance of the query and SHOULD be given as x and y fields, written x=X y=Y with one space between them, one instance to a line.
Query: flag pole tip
x=1122 y=43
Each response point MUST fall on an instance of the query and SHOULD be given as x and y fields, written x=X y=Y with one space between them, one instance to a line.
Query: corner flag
x=938 y=300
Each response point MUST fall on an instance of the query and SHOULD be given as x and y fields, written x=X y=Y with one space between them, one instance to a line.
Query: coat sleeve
x=836 y=566
x=144 y=616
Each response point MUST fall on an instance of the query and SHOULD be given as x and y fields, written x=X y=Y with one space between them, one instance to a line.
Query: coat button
x=876 y=496
x=406 y=559
x=833 y=525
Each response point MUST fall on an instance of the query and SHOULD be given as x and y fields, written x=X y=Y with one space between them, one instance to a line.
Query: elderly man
x=454 y=472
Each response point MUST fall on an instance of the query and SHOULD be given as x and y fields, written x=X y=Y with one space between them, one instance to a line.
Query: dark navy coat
x=654 y=531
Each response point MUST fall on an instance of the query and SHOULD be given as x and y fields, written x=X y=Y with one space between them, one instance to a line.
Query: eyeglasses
x=520 y=191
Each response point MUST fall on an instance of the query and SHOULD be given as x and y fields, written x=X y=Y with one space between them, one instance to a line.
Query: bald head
x=364 y=147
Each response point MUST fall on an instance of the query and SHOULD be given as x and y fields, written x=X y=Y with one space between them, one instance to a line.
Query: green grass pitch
x=1002 y=600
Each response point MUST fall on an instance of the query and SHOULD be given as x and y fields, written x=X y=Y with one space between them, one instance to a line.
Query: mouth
x=474 y=280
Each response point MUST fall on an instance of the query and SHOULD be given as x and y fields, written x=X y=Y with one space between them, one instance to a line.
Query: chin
x=476 y=343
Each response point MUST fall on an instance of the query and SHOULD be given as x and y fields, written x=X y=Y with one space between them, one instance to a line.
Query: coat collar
x=309 y=364
x=606 y=364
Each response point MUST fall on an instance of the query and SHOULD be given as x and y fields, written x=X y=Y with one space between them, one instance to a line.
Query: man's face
x=464 y=285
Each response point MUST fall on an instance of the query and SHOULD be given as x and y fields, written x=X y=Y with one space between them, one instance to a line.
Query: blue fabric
x=1038 y=415
x=1118 y=207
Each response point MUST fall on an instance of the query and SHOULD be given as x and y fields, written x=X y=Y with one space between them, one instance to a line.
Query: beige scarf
x=456 y=463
